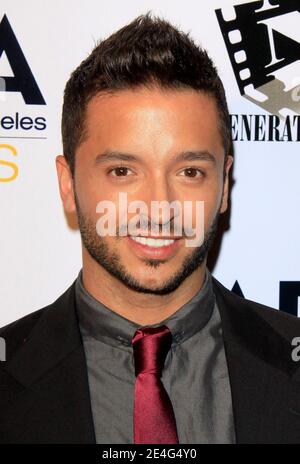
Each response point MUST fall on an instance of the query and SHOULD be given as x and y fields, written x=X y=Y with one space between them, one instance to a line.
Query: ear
x=224 y=203
x=65 y=181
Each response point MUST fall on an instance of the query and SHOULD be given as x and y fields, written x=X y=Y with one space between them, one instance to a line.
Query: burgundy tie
x=154 y=420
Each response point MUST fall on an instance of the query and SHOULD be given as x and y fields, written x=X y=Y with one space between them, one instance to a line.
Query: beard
x=100 y=251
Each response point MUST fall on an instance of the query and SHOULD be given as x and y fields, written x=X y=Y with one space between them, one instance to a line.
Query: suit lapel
x=260 y=371
x=48 y=374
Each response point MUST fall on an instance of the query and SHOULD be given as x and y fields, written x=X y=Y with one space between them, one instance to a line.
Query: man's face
x=153 y=127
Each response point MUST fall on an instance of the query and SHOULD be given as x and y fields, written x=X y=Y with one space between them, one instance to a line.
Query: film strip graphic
x=249 y=38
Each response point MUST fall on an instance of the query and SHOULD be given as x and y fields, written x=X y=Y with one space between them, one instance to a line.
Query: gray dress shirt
x=195 y=373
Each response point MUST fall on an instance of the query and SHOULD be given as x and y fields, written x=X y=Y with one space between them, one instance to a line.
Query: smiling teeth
x=153 y=242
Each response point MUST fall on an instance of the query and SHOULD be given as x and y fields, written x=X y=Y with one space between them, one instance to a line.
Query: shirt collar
x=100 y=322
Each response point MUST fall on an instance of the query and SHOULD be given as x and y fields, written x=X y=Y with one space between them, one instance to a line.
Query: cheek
x=91 y=193
x=206 y=215
x=211 y=204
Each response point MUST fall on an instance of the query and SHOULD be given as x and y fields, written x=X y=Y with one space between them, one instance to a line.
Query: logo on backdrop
x=289 y=296
x=23 y=80
x=23 y=107
x=263 y=43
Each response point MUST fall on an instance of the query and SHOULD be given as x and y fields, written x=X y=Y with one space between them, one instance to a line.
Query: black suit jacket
x=44 y=392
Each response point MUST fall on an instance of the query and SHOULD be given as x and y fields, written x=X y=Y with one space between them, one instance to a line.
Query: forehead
x=154 y=117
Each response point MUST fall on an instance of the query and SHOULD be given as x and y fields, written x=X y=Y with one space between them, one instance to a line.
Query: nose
x=160 y=196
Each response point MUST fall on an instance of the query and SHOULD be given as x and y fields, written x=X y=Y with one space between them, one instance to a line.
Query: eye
x=192 y=172
x=120 y=171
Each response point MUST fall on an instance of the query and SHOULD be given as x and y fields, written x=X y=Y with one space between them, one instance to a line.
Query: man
x=146 y=346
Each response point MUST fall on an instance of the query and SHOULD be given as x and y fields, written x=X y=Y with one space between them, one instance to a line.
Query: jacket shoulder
x=281 y=321
x=22 y=324
x=16 y=332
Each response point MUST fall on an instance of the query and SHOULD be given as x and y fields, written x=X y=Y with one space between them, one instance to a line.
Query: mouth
x=159 y=248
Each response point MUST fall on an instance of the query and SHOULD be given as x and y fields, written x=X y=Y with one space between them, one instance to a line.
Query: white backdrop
x=40 y=255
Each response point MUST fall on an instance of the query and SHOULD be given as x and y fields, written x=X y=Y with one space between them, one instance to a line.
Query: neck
x=128 y=303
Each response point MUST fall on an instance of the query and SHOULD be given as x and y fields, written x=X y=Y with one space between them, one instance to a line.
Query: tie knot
x=150 y=348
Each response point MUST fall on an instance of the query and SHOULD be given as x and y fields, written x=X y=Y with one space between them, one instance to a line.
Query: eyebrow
x=202 y=155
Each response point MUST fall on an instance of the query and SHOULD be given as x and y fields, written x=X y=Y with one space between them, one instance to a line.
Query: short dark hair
x=147 y=52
